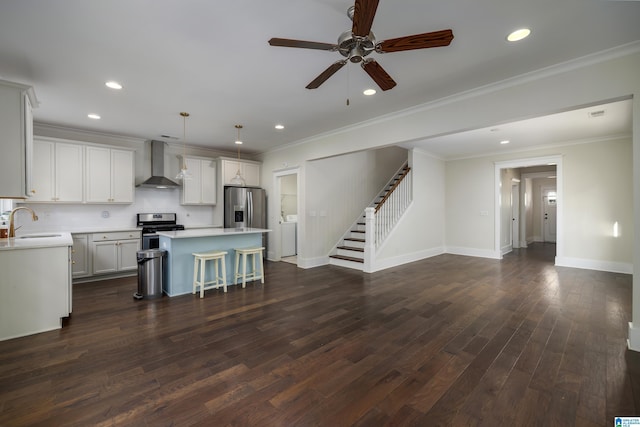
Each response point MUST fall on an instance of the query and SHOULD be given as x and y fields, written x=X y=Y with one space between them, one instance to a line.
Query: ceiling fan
x=356 y=44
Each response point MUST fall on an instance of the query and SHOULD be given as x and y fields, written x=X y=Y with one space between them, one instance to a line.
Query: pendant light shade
x=184 y=173
x=238 y=179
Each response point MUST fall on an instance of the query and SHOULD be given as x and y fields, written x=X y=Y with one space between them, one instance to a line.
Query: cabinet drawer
x=118 y=235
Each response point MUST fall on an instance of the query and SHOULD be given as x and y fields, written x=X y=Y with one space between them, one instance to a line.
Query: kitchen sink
x=37 y=236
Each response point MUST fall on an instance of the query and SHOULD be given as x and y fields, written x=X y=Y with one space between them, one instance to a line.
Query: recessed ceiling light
x=279 y=127
x=369 y=92
x=113 y=85
x=519 y=34
x=93 y=116
x=506 y=141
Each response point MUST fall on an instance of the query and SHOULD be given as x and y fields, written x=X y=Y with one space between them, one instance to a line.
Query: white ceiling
x=212 y=59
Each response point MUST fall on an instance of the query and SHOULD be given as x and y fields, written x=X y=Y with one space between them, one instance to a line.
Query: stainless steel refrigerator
x=245 y=207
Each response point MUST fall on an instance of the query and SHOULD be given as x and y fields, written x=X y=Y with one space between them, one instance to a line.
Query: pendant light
x=184 y=173
x=238 y=179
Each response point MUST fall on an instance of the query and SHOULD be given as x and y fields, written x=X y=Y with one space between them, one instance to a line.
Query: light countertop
x=210 y=232
x=37 y=240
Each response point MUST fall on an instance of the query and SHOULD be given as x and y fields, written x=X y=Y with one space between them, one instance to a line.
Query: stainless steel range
x=152 y=222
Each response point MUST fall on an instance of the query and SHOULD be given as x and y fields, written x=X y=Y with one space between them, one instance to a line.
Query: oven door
x=150 y=241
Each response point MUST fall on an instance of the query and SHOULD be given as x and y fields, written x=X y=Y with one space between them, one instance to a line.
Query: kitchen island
x=35 y=283
x=181 y=244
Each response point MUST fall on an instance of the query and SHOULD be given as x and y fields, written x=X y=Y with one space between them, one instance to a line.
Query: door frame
x=276 y=226
x=522 y=163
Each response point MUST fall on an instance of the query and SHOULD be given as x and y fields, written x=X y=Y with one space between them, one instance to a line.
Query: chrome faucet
x=12 y=230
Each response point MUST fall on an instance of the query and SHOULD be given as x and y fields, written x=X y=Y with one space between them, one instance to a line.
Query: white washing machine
x=288 y=238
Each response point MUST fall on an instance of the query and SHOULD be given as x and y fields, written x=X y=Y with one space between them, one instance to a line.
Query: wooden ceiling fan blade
x=302 y=44
x=416 y=41
x=333 y=68
x=378 y=74
x=363 y=13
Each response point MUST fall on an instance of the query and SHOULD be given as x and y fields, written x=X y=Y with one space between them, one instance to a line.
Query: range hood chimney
x=157 y=179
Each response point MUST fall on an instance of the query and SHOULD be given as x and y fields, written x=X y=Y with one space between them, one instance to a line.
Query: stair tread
x=347 y=258
x=353 y=239
x=357 y=231
x=351 y=248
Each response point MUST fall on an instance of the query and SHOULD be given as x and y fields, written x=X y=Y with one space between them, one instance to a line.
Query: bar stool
x=254 y=275
x=200 y=260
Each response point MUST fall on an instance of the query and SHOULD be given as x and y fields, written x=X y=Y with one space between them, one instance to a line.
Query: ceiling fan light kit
x=359 y=42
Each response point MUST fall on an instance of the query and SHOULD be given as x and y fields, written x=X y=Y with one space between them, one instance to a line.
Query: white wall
x=597 y=192
x=420 y=232
x=337 y=191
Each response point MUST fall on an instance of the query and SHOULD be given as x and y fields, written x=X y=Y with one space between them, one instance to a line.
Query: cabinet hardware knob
x=33 y=191
x=73 y=262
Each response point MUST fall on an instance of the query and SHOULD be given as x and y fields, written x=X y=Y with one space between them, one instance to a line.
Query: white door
x=549 y=207
x=515 y=216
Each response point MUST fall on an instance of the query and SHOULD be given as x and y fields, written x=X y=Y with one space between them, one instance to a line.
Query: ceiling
x=212 y=59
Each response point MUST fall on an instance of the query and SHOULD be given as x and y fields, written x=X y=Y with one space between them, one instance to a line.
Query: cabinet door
x=208 y=182
x=251 y=174
x=105 y=257
x=191 y=188
x=127 y=254
x=42 y=177
x=80 y=256
x=16 y=131
x=98 y=173
x=68 y=172
x=229 y=170
x=122 y=176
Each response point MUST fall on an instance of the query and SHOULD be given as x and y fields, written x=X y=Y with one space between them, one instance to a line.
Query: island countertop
x=209 y=232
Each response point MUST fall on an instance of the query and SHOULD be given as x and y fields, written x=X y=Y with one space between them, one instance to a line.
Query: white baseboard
x=590 y=264
x=506 y=249
x=481 y=253
x=312 y=262
x=381 y=264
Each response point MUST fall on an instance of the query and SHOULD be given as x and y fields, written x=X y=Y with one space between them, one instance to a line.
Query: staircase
x=357 y=244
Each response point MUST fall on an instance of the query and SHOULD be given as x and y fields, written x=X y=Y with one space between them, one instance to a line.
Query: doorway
x=549 y=215
x=525 y=204
x=287 y=190
x=515 y=215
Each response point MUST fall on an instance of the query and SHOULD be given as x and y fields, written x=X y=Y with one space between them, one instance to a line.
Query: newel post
x=370 y=239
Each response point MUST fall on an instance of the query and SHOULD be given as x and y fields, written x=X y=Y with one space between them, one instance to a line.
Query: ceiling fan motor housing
x=356 y=48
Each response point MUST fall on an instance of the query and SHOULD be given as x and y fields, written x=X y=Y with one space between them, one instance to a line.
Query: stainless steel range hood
x=157 y=179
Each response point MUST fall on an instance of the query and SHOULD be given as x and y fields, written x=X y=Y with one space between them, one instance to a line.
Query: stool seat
x=219 y=277
x=254 y=274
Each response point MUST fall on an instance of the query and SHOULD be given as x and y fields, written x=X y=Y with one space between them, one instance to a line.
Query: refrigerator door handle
x=250 y=209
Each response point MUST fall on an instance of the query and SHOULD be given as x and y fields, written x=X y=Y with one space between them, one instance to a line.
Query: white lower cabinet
x=115 y=252
x=80 y=260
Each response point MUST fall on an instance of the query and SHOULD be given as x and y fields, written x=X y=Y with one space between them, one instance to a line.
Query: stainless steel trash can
x=151 y=272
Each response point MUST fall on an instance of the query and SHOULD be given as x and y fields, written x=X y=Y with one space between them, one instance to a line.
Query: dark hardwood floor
x=450 y=340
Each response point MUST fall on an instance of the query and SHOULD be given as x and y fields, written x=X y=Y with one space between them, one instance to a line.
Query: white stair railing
x=380 y=220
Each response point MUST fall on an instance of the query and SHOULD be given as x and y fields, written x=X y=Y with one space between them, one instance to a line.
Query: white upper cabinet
x=200 y=189
x=249 y=170
x=109 y=175
x=16 y=139
x=57 y=172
